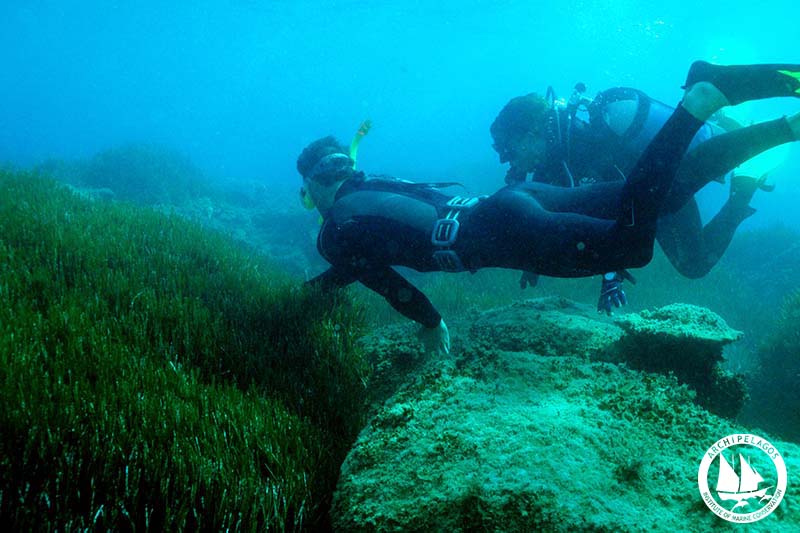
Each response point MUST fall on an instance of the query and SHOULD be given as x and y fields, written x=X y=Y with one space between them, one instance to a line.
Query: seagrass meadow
x=156 y=376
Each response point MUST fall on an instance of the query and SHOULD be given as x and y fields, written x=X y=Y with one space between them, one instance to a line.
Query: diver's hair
x=315 y=151
x=519 y=116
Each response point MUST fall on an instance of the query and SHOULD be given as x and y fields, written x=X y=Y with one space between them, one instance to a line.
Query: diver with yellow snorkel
x=372 y=224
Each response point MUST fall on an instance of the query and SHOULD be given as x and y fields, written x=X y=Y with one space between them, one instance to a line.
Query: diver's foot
x=703 y=99
x=744 y=187
x=740 y=83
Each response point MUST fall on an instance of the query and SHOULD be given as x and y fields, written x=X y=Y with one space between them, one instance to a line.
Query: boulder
x=685 y=340
x=512 y=433
x=546 y=326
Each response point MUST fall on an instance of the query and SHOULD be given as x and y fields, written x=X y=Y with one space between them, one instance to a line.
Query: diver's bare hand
x=435 y=340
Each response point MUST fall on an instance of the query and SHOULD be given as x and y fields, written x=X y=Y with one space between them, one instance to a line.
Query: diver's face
x=526 y=152
x=321 y=196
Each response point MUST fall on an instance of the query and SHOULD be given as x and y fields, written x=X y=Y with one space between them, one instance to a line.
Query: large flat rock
x=500 y=439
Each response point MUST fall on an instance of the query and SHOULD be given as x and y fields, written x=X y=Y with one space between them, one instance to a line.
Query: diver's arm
x=411 y=303
x=333 y=278
x=402 y=295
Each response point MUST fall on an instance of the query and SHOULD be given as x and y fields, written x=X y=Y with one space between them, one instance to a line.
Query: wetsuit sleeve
x=333 y=278
x=402 y=295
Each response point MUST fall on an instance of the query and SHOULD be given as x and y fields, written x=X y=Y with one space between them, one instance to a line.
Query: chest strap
x=445 y=233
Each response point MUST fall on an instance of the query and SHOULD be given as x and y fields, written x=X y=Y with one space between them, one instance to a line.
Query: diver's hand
x=611 y=293
x=528 y=279
x=436 y=340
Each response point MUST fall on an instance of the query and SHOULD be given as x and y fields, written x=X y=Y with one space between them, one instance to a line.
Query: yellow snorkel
x=363 y=129
x=305 y=199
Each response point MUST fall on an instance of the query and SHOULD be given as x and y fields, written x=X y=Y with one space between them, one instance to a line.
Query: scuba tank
x=586 y=136
x=632 y=119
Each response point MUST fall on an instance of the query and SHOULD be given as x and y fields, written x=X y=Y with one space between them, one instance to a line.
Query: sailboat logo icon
x=740 y=487
x=756 y=488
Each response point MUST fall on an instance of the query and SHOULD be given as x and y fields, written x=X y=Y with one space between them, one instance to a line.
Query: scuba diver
x=370 y=224
x=583 y=141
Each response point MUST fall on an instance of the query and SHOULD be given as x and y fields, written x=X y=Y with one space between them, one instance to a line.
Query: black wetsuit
x=376 y=224
x=588 y=151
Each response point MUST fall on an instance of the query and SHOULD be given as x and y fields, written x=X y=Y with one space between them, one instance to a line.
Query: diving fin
x=795 y=75
x=740 y=83
x=744 y=187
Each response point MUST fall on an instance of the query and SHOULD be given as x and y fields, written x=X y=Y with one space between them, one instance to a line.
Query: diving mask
x=328 y=169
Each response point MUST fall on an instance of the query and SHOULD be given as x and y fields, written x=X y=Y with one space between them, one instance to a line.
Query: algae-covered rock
x=547 y=326
x=683 y=322
x=395 y=354
x=490 y=438
x=537 y=443
x=685 y=340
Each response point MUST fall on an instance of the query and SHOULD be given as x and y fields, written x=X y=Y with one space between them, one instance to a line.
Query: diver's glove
x=528 y=279
x=435 y=340
x=611 y=293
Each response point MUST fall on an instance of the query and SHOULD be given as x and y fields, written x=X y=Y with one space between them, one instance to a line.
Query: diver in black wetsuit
x=591 y=141
x=370 y=225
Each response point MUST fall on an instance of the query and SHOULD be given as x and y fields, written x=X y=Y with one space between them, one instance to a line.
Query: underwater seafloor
x=163 y=369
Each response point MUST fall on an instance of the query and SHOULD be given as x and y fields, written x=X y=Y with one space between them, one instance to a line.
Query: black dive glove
x=611 y=293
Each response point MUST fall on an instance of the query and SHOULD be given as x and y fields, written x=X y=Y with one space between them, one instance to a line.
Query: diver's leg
x=722 y=153
x=511 y=229
x=597 y=200
x=709 y=88
x=695 y=250
x=718 y=233
x=680 y=236
x=649 y=182
x=691 y=248
x=740 y=83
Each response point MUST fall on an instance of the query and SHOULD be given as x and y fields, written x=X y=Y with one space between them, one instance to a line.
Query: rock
x=533 y=443
x=686 y=340
x=395 y=355
x=547 y=326
x=500 y=439
x=683 y=322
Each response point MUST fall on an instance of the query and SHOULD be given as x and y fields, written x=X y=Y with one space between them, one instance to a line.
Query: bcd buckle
x=445 y=231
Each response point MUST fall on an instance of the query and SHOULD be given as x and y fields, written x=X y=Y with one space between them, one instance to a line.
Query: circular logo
x=747 y=478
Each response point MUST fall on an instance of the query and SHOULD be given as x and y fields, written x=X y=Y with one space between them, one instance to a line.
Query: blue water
x=242 y=86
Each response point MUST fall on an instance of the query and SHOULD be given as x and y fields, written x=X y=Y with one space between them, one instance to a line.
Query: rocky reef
x=686 y=340
x=546 y=417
